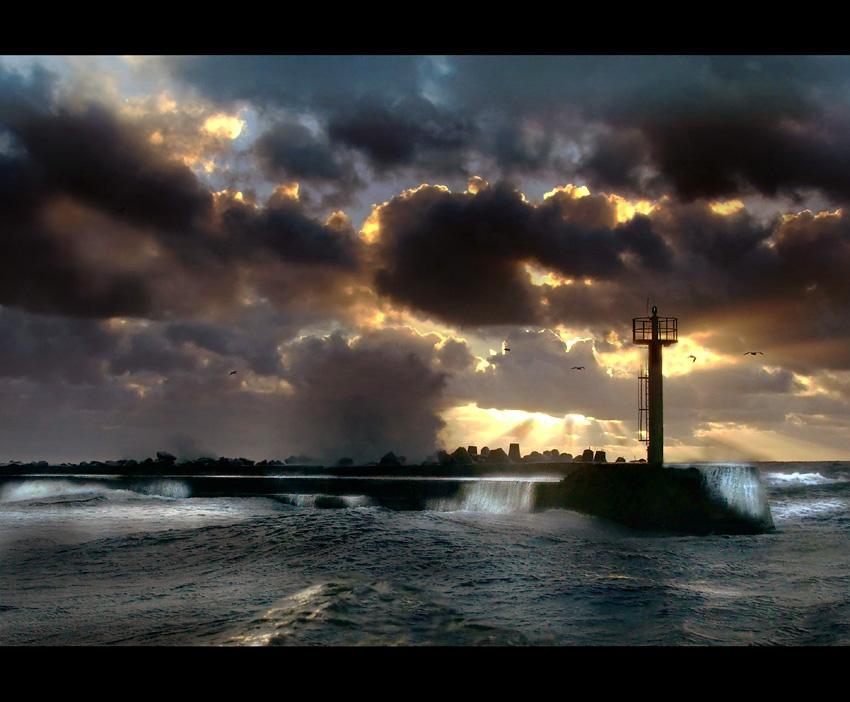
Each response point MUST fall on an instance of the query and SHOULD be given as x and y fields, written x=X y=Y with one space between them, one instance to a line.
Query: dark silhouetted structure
x=656 y=332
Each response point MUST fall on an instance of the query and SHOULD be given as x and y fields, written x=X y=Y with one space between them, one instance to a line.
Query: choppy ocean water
x=84 y=565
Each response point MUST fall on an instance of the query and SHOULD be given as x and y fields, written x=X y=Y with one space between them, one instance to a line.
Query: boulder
x=461 y=456
x=300 y=460
x=498 y=455
x=165 y=456
x=514 y=454
x=389 y=459
x=444 y=458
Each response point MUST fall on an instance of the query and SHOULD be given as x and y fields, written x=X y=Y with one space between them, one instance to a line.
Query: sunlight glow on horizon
x=470 y=425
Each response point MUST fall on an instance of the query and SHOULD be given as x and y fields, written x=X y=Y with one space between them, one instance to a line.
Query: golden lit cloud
x=476 y=184
x=371 y=229
x=727 y=208
x=540 y=276
x=574 y=191
x=224 y=126
x=806 y=215
x=339 y=220
x=287 y=191
x=624 y=209
x=678 y=361
x=569 y=336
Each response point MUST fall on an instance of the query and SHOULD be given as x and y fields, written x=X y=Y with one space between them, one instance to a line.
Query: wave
x=788 y=509
x=804 y=479
x=324 y=501
x=354 y=611
x=48 y=491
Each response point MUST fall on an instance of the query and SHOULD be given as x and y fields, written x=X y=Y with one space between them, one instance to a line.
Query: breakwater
x=702 y=499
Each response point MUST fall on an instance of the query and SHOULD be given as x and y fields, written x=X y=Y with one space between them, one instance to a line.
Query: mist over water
x=114 y=567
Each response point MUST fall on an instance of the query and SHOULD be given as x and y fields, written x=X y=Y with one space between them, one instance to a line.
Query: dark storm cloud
x=291 y=150
x=639 y=237
x=296 y=79
x=38 y=271
x=94 y=157
x=619 y=161
x=406 y=133
x=94 y=160
x=362 y=401
x=461 y=256
x=721 y=127
x=746 y=284
x=455 y=356
x=246 y=347
x=167 y=386
x=722 y=156
x=51 y=348
x=41 y=275
x=99 y=222
x=522 y=145
x=699 y=126
x=150 y=351
x=284 y=230
x=688 y=259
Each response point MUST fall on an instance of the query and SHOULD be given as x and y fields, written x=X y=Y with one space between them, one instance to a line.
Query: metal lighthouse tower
x=656 y=332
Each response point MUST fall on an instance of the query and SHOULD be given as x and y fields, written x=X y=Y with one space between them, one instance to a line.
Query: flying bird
x=578 y=368
x=752 y=353
x=505 y=346
x=232 y=372
x=693 y=358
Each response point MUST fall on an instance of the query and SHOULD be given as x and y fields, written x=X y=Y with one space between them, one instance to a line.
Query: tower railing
x=668 y=330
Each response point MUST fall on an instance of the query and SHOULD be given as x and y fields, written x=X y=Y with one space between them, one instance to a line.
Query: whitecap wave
x=58 y=491
x=324 y=501
x=792 y=479
x=55 y=490
x=793 y=509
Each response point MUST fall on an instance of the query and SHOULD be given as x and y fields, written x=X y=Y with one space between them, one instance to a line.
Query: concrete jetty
x=700 y=499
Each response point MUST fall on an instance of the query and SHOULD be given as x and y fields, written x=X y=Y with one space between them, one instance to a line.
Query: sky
x=362 y=239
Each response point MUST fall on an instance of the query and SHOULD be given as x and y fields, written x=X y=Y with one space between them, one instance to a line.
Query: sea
x=85 y=565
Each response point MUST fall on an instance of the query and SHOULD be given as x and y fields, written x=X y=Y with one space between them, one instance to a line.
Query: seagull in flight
x=232 y=372
x=693 y=358
x=752 y=353
x=578 y=368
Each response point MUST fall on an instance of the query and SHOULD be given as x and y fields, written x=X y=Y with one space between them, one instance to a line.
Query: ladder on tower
x=643 y=404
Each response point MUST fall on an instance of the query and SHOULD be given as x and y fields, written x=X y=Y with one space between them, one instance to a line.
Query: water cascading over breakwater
x=497 y=496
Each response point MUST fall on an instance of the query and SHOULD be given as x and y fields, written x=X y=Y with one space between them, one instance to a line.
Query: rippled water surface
x=85 y=565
